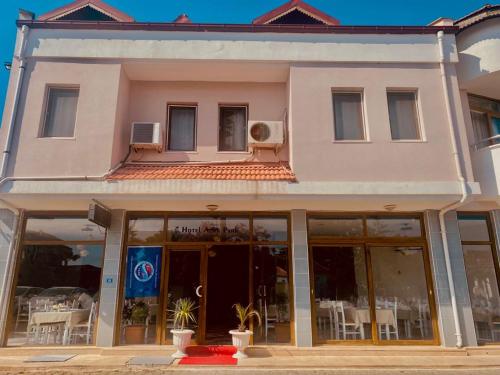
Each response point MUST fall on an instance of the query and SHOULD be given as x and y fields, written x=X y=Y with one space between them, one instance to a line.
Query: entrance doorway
x=214 y=277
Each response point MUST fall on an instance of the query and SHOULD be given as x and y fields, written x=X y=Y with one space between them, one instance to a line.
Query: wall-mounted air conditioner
x=146 y=135
x=266 y=134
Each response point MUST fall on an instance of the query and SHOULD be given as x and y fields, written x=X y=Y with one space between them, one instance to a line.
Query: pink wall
x=89 y=152
x=379 y=158
x=148 y=102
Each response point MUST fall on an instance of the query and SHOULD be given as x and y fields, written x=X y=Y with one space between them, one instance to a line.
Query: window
x=233 y=128
x=60 y=112
x=403 y=115
x=57 y=287
x=348 y=116
x=181 y=128
x=481 y=269
x=485 y=114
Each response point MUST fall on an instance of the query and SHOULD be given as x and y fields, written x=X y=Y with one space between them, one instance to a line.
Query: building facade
x=341 y=179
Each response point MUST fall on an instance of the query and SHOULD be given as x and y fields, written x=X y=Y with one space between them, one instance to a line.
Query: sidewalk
x=275 y=360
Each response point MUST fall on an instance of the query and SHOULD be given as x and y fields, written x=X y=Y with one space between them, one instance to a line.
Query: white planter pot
x=181 y=340
x=240 y=341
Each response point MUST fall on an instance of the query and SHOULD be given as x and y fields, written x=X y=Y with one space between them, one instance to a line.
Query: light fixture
x=7 y=65
x=390 y=207
x=212 y=207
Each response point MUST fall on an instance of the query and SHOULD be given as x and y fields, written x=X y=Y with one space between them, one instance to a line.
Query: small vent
x=143 y=133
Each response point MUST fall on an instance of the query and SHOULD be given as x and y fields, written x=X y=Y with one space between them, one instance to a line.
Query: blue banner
x=143 y=272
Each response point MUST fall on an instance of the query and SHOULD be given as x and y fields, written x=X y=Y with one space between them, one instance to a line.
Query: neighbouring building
x=342 y=179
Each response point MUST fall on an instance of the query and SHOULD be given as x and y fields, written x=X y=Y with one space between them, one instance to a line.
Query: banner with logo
x=143 y=272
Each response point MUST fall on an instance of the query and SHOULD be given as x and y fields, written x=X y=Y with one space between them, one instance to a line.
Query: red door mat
x=213 y=355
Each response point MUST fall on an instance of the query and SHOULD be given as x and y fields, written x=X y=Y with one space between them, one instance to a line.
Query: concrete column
x=109 y=284
x=302 y=288
x=8 y=228
x=440 y=277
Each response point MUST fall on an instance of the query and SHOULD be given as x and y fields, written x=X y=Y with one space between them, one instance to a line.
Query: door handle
x=198 y=291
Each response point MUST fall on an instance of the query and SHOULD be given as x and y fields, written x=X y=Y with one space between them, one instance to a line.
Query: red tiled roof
x=221 y=171
x=486 y=12
x=99 y=5
x=182 y=18
x=300 y=6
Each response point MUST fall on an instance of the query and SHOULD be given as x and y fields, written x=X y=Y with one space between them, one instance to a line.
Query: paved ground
x=266 y=360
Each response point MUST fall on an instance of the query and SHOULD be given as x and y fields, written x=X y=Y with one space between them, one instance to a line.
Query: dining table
x=69 y=318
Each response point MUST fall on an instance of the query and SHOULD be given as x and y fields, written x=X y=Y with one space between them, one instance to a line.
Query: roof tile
x=209 y=171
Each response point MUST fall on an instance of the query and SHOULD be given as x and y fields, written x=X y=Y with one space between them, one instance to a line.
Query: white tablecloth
x=69 y=318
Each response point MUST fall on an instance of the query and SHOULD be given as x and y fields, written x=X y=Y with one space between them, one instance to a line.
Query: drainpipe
x=17 y=93
x=8 y=269
x=458 y=203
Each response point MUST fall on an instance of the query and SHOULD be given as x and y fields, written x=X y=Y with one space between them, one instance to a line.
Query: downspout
x=17 y=93
x=4 y=303
x=454 y=205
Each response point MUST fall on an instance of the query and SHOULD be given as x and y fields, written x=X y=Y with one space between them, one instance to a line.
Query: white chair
x=22 y=314
x=270 y=318
x=346 y=327
x=394 y=324
x=421 y=321
x=84 y=330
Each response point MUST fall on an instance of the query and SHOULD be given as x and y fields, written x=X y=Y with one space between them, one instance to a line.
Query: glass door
x=185 y=278
x=341 y=293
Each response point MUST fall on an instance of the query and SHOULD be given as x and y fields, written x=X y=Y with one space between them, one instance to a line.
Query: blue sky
x=349 y=12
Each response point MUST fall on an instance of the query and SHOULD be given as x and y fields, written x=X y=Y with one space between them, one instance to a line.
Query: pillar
x=302 y=288
x=440 y=278
x=109 y=284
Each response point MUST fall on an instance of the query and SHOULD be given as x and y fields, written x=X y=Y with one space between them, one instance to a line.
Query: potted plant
x=137 y=314
x=241 y=336
x=183 y=315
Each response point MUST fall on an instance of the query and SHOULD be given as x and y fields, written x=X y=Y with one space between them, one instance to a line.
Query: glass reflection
x=400 y=286
x=270 y=229
x=393 y=226
x=473 y=228
x=62 y=229
x=271 y=294
x=341 y=293
x=56 y=296
x=208 y=229
x=336 y=226
x=483 y=291
x=146 y=231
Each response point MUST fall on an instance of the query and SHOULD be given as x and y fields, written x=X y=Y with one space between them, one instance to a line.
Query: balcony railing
x=491 y=141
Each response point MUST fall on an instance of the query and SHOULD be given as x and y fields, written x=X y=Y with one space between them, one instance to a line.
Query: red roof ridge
x=292 y=5
x=99 y=5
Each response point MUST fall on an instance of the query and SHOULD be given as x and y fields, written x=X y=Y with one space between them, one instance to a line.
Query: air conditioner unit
x=265 y=134
x=146 y=135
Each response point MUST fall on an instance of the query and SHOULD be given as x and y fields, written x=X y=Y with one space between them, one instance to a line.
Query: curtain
x=348 y=116
x=233 y=129
x=61 y=112
x=403 y=115
x=481 y=128
x=182 y=129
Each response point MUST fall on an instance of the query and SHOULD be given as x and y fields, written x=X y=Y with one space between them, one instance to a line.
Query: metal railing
x=491 y=141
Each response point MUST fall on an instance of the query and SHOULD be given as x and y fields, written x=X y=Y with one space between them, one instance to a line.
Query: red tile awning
x=213 y=171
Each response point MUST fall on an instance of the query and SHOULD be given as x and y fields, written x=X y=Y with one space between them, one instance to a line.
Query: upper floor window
x=181 y=128
x=233 y=128
x=60 y=112
x=348 y=116
x=485 y=114
x=403 y=115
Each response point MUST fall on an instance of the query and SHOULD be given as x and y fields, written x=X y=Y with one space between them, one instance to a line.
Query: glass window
x=341 y=293
x=483 y=291
x=403 y=115
x=146 y=230
x=201 y=229
x=473 y=227
x=393 y=226
x=348 y=116
x=401 y=293
x=140 y=312
x=62 y=229
x=181 y=128
x=485 y=114
x=270 y=229
x=336 y=226
x=233 y=128
x=60 y=116
x=56 y=284
x=272 y=294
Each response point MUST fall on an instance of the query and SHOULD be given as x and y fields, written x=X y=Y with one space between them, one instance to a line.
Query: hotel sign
x=208 y=229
